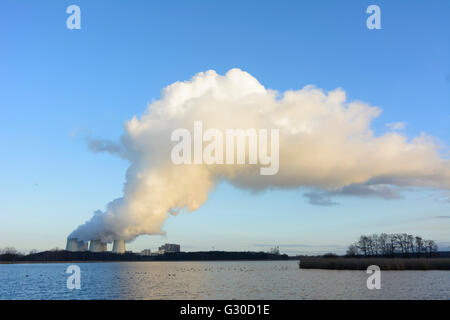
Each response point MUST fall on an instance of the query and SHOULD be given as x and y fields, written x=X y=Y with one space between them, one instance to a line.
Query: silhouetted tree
x=362 y=245
x=8 y=250
x=392 y=244
x=352 y=250
x=431 y=247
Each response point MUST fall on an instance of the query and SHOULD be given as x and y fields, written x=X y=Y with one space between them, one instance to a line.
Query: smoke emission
x=326 y=146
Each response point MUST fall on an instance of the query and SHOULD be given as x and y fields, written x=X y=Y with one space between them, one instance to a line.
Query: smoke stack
x=72 y=245
x=119 y=246
x=97 y=246
x=353 y=161
x=82 y=246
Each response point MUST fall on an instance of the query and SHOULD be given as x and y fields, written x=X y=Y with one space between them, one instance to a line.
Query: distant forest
x=397 y=244
x=11 y=255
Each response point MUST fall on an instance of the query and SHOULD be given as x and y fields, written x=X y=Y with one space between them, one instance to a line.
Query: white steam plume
x=326 y=144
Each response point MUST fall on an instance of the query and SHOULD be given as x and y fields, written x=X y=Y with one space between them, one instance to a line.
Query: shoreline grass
x=340 y=263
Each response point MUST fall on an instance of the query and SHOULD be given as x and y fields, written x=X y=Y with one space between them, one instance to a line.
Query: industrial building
x=118 y=246
x=97 y=246
x=169 y=247
x=83 y=246
x=74 y=245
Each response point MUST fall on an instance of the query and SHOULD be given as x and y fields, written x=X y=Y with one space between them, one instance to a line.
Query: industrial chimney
x=82 y=246
x=97 y=246
x=72 y=244
x=119 y=246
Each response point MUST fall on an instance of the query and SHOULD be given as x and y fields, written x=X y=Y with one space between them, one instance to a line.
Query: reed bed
x=383 y=263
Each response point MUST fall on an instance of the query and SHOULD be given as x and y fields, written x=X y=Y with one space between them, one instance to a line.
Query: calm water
x=214 y=280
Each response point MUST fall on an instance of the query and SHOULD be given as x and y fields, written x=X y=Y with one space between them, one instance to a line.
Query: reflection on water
x=214 y=280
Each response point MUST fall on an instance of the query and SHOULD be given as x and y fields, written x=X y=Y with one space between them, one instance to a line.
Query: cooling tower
x=97 y=246
x=72 y=245
x=119 y=246
x=82 y=246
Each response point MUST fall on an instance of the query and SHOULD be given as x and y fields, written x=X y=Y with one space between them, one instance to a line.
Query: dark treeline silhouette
x=63 y=255
x=392 y=245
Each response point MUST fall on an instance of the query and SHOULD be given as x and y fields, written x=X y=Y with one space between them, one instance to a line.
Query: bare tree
x=352 y=250
x=419 y=245
x=431 y=247
x=383 y=243
x=362 y=245
x=400 y=240
x=9 y=250
x=410 y=242
x=375 y=244
x=391 y=244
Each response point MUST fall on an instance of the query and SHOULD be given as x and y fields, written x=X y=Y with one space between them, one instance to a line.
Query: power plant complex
x=74 y=245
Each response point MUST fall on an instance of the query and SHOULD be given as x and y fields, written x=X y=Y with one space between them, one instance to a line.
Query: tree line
x=396 y=244
x=13 y=251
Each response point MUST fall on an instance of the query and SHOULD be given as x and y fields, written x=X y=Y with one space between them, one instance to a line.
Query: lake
x=214 y=280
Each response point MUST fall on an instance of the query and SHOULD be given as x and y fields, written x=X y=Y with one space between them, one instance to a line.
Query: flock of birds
x=210 y=269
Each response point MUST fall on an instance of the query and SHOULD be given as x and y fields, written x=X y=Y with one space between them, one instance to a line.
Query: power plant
x=82 y=246
x=169 y=247
x=97 y=246
x=75 y=245
x=72 y=245
x=118 y=246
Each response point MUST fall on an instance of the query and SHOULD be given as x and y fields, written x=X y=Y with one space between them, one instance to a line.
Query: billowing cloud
x=325 y=198
x=99 y=145
x=396 y=125
x=326 y=144
x=320 y=198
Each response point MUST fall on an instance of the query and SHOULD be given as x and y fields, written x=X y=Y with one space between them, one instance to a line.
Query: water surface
x=214 y=280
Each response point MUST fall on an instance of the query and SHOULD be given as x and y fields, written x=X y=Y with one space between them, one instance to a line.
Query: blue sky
x=59 y=85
